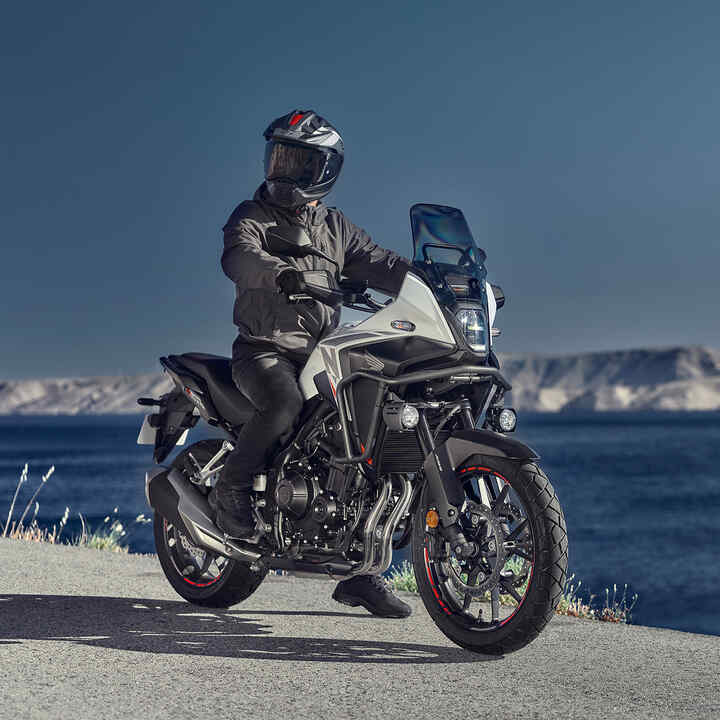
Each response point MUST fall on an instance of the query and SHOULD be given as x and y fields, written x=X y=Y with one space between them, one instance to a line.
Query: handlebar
x=351 y=294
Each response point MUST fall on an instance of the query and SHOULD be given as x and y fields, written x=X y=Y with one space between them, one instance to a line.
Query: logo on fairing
x=373 y=363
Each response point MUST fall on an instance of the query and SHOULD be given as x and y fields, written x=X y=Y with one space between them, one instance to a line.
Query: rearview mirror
x=293 y=241
x=499 y=296
x=290 y=240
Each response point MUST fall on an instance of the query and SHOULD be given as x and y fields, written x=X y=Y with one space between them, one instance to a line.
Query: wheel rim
x=486 y=591
x=196 y=566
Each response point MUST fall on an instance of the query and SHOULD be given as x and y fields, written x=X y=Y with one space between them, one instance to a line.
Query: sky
x=580 y=139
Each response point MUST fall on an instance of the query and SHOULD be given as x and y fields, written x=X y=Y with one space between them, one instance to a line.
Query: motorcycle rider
x=303 y=158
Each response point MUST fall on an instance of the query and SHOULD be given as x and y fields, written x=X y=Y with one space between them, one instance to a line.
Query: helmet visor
x=300 y=164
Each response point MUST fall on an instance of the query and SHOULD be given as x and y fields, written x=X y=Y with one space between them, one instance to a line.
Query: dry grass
x=617 y=609
x=111 y=535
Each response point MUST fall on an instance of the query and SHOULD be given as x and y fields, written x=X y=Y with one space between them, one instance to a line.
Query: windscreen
x=444 y=248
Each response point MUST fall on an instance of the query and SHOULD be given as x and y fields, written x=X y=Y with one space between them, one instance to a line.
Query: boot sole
x=355 y=602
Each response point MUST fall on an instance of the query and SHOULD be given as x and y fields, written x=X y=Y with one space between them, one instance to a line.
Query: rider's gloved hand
x=290 y=282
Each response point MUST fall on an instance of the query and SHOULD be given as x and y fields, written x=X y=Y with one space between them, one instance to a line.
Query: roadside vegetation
x=110 y=535
x=616 y=608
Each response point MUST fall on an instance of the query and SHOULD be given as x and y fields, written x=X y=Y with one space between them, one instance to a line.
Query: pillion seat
x=216 y=371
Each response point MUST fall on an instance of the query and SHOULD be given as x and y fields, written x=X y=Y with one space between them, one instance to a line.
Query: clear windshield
x=444 y=247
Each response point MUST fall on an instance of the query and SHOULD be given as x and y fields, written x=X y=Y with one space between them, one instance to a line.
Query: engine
x=319 y=504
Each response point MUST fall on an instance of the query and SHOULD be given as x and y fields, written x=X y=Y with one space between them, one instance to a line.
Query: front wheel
x=499 y=600
x=199 y=575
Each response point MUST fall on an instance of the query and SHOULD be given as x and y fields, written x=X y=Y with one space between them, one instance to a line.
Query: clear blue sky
x=580 y=139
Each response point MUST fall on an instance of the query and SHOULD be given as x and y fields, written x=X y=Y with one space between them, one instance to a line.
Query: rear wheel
x=501 y=599
x=199 y=575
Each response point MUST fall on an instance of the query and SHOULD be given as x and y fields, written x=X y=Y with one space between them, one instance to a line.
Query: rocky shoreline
x=664 y=379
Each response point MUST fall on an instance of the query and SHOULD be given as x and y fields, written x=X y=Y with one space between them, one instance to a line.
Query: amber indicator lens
x=432 y=519
x=403 y=325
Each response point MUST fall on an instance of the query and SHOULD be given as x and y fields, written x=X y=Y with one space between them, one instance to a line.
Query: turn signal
x=432 y=519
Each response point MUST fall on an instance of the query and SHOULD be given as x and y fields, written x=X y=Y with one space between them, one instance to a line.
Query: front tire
x=198 y=575
x=521 y=570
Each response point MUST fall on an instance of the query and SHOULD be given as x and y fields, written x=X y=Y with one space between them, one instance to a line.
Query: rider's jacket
x=266 y=320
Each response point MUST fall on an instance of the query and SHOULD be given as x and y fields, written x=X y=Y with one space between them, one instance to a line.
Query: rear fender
x=174 y=416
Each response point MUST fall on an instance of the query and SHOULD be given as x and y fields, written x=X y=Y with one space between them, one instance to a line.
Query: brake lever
x=299 y=297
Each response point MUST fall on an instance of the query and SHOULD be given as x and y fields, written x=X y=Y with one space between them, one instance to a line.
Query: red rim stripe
x=432 y=584
x=484 y=469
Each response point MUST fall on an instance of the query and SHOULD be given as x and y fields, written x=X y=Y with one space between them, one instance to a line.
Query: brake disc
x=196 y=553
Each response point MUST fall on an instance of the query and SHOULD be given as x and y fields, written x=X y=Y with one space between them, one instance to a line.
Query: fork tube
x=444 y=489
x=442 y=483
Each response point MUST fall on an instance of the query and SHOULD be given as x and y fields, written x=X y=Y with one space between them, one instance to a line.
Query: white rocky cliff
x=656 y=379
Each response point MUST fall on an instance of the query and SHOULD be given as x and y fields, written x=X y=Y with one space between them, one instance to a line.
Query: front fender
x=462 y=444
x=444 y=486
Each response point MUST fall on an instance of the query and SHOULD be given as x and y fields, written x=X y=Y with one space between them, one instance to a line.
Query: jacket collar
x=306 y=213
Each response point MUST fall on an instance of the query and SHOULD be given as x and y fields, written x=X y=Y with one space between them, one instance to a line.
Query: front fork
x=444 y=489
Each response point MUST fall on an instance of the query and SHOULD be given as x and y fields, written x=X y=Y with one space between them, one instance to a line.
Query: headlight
x=474 y=326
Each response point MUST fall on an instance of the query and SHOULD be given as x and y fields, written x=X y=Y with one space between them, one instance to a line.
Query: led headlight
x=474 y=326
x=400 y=416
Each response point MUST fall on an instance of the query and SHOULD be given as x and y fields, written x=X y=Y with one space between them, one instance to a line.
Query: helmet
x=303 y=157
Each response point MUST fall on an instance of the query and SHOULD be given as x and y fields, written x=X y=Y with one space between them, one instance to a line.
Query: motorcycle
x=386 y=452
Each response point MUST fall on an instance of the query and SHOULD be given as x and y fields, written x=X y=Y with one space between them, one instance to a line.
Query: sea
x=640 y=492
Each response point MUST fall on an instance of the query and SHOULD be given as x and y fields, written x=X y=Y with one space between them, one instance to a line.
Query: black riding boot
x=233 y=510
x=373 y=593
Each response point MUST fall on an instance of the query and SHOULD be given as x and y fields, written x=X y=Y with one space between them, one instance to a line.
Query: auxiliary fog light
x=400 y=416
x=507 y=419
x=409 y=416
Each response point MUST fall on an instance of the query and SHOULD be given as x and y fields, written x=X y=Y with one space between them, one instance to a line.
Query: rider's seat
x=216 y=371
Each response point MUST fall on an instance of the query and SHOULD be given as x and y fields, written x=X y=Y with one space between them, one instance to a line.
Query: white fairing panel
x=415 y=303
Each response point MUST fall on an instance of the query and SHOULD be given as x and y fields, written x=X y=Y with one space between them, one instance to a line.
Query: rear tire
x=544 y=587
x=231 y=583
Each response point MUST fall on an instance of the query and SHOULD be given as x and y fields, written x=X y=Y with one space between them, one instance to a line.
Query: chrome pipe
x=370 y=527
x=398 y=512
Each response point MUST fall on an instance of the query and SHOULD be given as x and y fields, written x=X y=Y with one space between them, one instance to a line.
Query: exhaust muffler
x=175 y=498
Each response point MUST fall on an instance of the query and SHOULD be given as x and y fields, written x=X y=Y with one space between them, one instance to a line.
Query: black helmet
x=303 y=157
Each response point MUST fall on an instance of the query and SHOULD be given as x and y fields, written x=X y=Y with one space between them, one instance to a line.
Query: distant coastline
x=659 y=379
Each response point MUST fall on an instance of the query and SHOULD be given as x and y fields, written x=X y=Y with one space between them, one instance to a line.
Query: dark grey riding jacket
x=266 y=320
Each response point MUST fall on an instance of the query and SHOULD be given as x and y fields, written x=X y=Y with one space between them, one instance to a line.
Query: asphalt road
x=88 y=634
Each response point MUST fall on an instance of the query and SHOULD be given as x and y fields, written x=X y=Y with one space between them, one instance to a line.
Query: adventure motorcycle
x=386 y=452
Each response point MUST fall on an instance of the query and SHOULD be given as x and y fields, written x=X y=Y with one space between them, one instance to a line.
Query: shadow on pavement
x=161 y=626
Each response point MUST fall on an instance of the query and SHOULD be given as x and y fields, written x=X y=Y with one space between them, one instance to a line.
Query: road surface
x=90 y=634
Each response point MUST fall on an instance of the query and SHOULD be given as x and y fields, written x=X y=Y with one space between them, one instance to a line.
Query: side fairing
x=414 y=304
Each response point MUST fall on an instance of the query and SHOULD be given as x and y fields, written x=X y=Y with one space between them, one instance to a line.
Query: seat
x=217 y=373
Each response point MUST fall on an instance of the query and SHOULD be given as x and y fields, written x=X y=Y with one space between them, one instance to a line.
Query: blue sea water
x=641 y=495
